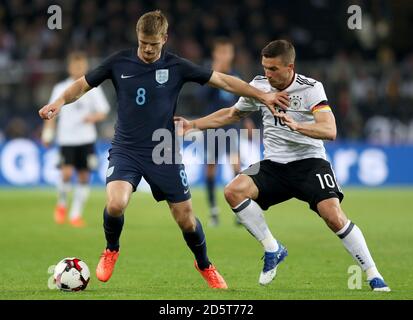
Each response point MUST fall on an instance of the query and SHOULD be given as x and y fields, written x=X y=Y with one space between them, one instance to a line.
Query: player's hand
x=49 y=111
x=183 y=125
x=289 y=122
x=279 y=99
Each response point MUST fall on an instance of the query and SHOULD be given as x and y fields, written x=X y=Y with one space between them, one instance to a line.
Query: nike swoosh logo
x=186 y=191
x=110 y=171
x=126 y=77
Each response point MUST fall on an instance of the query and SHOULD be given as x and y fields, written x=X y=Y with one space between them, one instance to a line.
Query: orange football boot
x=60 y=214
x=106 y=265
x=212 y=277
x=78 y=222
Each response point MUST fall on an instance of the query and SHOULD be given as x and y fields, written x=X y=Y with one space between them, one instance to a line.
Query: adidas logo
x=303 y=81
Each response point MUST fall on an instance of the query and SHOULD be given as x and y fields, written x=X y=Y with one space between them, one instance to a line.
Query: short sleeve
x=194 y=73
x=100 y=103
x=247 y=104
x=96 y=76
x=316 y=95
x=55 y=94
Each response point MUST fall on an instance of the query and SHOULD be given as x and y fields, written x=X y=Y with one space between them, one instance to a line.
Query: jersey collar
x=160 y=60
x=291 y=82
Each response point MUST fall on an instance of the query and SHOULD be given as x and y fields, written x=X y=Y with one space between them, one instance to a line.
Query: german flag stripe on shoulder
x=321 y=106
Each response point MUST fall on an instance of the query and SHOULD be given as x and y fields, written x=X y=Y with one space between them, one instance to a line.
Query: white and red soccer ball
x=71 y=274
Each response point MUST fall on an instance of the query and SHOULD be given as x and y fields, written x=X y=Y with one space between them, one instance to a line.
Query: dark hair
x=280 y=48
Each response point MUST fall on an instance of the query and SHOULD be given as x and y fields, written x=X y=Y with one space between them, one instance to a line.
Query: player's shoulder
x=125 y=52
x=304 y=81
x=172 y=58
x=260 y=82
x=311 y=88
x=168 y=55
x=121 y=55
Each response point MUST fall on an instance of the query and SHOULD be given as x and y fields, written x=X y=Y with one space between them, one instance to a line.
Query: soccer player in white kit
x=75 y=135
x=295 y=164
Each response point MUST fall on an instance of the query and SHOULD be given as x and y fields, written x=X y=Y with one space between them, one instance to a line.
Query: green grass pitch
x=156 y=264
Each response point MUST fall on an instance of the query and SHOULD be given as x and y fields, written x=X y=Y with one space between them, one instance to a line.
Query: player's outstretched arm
x=71 y=94
x=220 y=118
x=241 y=88
x=323 y=128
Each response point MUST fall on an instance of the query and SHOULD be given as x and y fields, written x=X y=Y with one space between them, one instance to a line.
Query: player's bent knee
x=116 y=207
x=332 y=214
x=230 y=194
x=186 y=223
x=184 y=217
x=235 y=192
x=335 y=223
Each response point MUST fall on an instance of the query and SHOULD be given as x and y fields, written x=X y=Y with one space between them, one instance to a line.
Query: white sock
x=353 y=240
x=80 y=196
x=250 y=215
x=63 y=189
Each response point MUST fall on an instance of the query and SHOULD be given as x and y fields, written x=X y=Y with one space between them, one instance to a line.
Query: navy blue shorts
x=167 y=181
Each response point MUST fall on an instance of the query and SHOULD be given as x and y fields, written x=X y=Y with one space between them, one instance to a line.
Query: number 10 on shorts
x=327 y=179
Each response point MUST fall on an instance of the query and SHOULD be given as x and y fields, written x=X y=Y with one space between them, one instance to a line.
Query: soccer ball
x=71 y=274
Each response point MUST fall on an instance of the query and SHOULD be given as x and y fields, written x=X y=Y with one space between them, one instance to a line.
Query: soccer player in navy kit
x=148 y=80
x=215 y=99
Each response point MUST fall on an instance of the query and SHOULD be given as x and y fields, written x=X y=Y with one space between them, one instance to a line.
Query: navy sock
x=113 y=228
x=197 y=243
x=210 y=184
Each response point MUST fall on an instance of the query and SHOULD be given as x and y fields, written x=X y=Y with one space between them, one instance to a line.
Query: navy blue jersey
x=147 y=93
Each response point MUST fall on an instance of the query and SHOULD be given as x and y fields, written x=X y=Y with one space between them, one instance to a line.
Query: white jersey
x=281 y=144
x=71 y=128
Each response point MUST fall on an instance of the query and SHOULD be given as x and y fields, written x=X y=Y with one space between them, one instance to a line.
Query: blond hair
x=152 y=23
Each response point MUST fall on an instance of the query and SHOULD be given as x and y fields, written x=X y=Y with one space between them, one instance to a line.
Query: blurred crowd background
x=367 y=73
